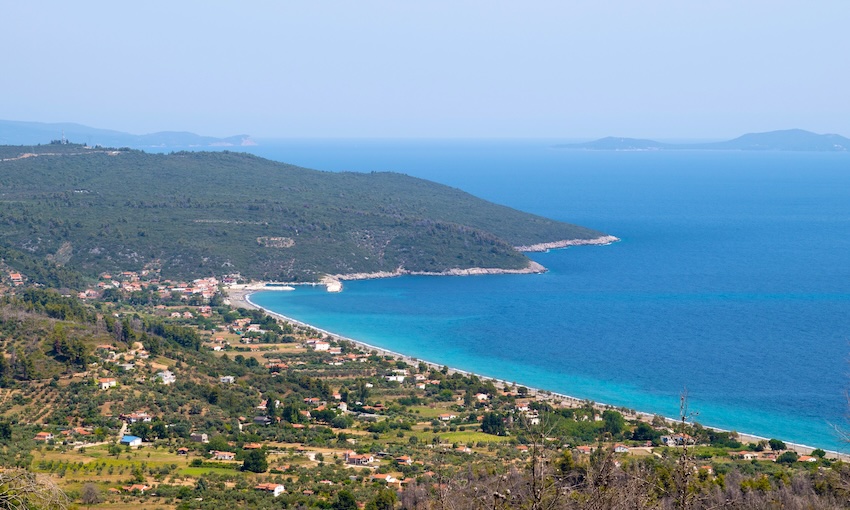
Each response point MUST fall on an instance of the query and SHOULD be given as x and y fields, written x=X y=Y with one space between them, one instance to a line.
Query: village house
x=76 y=431
x=217 y=455
x=199 y=437
x=358 y=460
x=745 y=455
x=382 y=477
x=227 y=379
x=182 y=451
x=275 y=488
x=137 y=416
x=44 y=436
x=107 y=382
x=448 y=416
x=166 y=377
x=16 y=278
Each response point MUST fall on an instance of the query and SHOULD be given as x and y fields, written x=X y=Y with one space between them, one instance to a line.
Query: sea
x=731 y=282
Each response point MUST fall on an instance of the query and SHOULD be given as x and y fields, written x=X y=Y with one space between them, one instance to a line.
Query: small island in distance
x=783 y=140
x=14 y=132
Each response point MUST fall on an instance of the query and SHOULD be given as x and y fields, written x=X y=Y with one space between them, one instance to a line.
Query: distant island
x=30 y=133
x=784 y=140
x=76 y=210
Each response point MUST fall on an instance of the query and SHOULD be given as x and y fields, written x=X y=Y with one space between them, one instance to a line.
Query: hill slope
x=201 y=213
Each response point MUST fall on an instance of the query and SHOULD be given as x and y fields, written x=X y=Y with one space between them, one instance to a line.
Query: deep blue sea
x=732 y=280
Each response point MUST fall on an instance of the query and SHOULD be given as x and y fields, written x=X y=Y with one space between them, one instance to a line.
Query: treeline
x=41 y=270
x=567 y=481
x=51 y=303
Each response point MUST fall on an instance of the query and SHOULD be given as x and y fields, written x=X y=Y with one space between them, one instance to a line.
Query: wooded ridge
x=199 y=213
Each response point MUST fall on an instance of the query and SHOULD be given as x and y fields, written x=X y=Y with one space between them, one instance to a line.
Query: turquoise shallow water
x=732 y=279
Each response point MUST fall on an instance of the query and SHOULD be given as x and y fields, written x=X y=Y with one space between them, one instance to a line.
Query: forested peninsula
x=70 y=211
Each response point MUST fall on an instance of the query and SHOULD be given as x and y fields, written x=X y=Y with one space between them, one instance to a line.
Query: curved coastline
x=334 y=281
x=242 y=298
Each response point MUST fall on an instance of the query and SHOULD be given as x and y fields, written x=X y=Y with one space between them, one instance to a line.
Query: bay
x=731 y=280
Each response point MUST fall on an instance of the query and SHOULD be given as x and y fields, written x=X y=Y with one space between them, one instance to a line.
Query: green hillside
x=193 y=214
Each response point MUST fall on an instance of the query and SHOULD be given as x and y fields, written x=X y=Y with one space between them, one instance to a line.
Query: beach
x=238 y=296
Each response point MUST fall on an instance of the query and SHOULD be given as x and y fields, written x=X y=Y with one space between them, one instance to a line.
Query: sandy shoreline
x=240 y=297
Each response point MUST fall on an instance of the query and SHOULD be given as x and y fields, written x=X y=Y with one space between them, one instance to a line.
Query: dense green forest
x=92 y=210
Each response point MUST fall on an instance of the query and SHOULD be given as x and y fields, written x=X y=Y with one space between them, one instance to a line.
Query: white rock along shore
x=598 y=241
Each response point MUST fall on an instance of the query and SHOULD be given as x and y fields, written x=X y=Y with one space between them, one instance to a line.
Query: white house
x=217 y=455
x=107 y=382
x=275 y=488
x=166 y=377
x=227 y=379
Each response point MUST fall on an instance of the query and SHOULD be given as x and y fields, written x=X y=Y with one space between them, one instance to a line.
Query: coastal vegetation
x=149 y=386
x=90 y=210
x=232 y=407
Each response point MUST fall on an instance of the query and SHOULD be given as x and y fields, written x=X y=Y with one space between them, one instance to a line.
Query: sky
x=665 y=69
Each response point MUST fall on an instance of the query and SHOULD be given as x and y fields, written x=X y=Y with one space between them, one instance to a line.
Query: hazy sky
x=572 y=69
